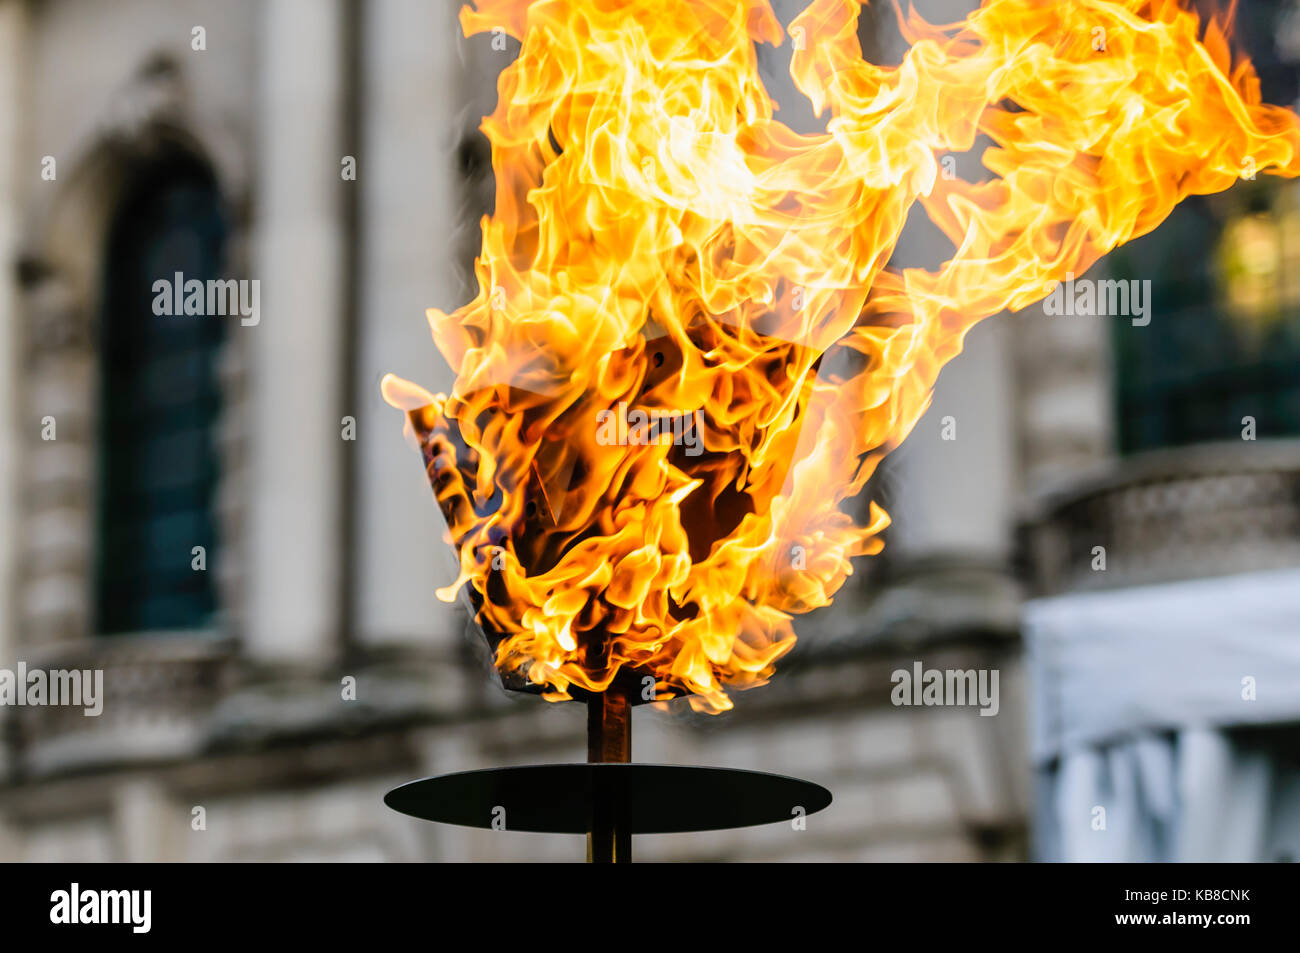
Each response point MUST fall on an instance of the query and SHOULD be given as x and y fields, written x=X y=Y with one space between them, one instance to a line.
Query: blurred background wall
x=141 y=138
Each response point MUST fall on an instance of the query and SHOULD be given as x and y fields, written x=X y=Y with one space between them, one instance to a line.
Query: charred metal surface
x=553 y=513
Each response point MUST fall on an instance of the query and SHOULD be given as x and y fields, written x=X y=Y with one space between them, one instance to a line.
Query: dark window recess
x=1224 y=339
x=159 y=400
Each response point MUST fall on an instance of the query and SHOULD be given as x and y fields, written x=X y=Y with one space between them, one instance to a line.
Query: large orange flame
x=662 y=245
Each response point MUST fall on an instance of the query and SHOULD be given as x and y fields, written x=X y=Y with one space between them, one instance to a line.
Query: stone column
x=296 y=350
x=954 y=480
x=147 y=823
x=12 y=61
x=955 y=473
x=1067 y=411
x=411 y=217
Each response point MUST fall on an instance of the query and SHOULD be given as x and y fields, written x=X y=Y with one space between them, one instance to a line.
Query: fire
x=663 y=249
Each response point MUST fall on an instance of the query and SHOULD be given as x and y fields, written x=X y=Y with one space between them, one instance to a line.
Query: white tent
x=1154 y=705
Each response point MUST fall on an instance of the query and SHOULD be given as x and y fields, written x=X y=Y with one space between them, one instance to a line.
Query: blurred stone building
x=140 y=139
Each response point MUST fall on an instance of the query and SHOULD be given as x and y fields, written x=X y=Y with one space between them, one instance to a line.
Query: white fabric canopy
x=1138 y=709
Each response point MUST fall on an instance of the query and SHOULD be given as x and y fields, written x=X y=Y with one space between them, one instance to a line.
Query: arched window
x=158 y=401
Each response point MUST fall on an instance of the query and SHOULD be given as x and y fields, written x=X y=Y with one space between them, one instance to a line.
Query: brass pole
x=609 y=739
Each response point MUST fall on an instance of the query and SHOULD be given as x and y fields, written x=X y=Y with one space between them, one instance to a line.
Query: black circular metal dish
x=656 y=798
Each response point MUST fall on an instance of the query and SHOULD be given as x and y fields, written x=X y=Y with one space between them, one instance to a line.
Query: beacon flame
x=664 y=248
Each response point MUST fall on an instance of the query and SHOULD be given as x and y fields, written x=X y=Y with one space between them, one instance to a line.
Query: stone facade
x=332 y=548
